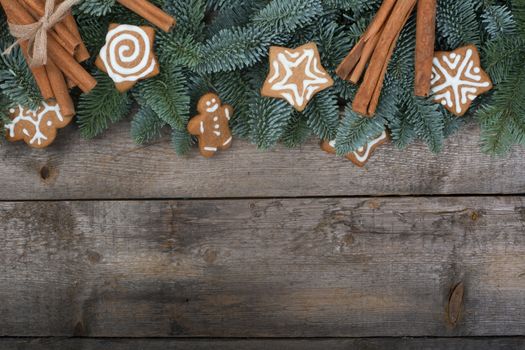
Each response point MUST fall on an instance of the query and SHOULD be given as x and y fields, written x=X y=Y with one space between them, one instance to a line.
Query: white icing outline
x=213 y=109
x=369 y=146
x=22 y=116
x=121 y=74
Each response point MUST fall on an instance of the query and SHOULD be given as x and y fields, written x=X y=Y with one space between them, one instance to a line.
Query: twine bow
x=36 y=33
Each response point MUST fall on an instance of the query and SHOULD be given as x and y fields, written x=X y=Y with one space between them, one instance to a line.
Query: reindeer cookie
x=211 y=126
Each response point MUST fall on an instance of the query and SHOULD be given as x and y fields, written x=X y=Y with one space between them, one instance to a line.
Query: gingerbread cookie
x=37 y=128
x=363 y=154
x=211 y=126
x=458 y=79
x=127 y=56
x=296 y=75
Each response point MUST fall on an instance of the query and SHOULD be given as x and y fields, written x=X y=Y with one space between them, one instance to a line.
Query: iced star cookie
x=458 y=79
x=363 y=154
x=127 y=56
x=38 y=128
x=296 y=75
x=211 y=126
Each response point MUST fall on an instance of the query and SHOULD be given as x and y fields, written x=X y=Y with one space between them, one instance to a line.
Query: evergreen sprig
x=222 y=46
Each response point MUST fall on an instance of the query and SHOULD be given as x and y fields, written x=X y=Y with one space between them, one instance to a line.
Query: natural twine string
x=36 y=33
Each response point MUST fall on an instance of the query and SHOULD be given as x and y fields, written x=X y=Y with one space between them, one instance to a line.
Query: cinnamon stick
x=360 y=54
x=82 y=53
x=425 y=42
x=60 y=32
x=39 y=73
x=364 y=102
x=150 y=12
x=61 y=90
x=66 y=62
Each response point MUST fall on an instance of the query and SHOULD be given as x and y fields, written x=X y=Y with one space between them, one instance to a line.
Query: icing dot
x=208 y=103
x=49 y=123
x=12 y=110
x=477 y=70
x=444 y=103
x=216 y=126
x=215 y=119
x=213 y=101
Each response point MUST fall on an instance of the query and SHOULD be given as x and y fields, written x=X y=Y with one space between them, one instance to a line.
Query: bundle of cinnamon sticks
x=375 y=48
x=65 y=51
x=65 y=48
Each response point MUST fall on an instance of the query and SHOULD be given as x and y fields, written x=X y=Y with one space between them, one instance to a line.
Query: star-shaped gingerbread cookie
x=458 y=79
x=127 y=56
x=296 y=75
x=364 y=153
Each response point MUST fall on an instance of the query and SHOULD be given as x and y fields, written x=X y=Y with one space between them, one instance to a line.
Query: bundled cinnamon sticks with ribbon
x=52 y=45
x=375 y=48
x=50 y=40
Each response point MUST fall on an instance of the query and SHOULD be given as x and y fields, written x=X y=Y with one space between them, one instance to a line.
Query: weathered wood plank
x=510 y=343
x=262 y=268
x=112 y=167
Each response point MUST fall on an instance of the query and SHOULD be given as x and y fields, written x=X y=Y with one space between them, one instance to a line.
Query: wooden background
x=107 y=245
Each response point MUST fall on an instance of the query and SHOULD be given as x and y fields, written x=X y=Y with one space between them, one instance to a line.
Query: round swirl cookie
x=128 y=56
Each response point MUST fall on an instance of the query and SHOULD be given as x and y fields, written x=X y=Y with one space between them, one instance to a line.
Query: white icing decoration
x=211 y=149
x=463 y=90
x=227 y=141
x=218 y=133
x=111 y=54
x=227 y=112
x=212 y=109
x=286 y=63
x=30 y=116
x=202 y=127
x=369 y=148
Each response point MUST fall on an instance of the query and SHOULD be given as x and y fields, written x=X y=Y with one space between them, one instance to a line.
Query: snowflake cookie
x=457 y=79
x=127 y=56
x=296 y=75
x=363 y=154
x=38 y=128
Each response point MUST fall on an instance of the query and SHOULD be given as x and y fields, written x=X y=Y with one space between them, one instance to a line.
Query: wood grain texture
x=113 y=167
x=263 y=268
x=510 y=343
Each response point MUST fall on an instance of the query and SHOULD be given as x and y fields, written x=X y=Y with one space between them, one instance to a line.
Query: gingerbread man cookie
x=457 y=79
x=211 y=126
x=128 y=55
x=38 y=128
x=296 y=75
x=363 y=154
